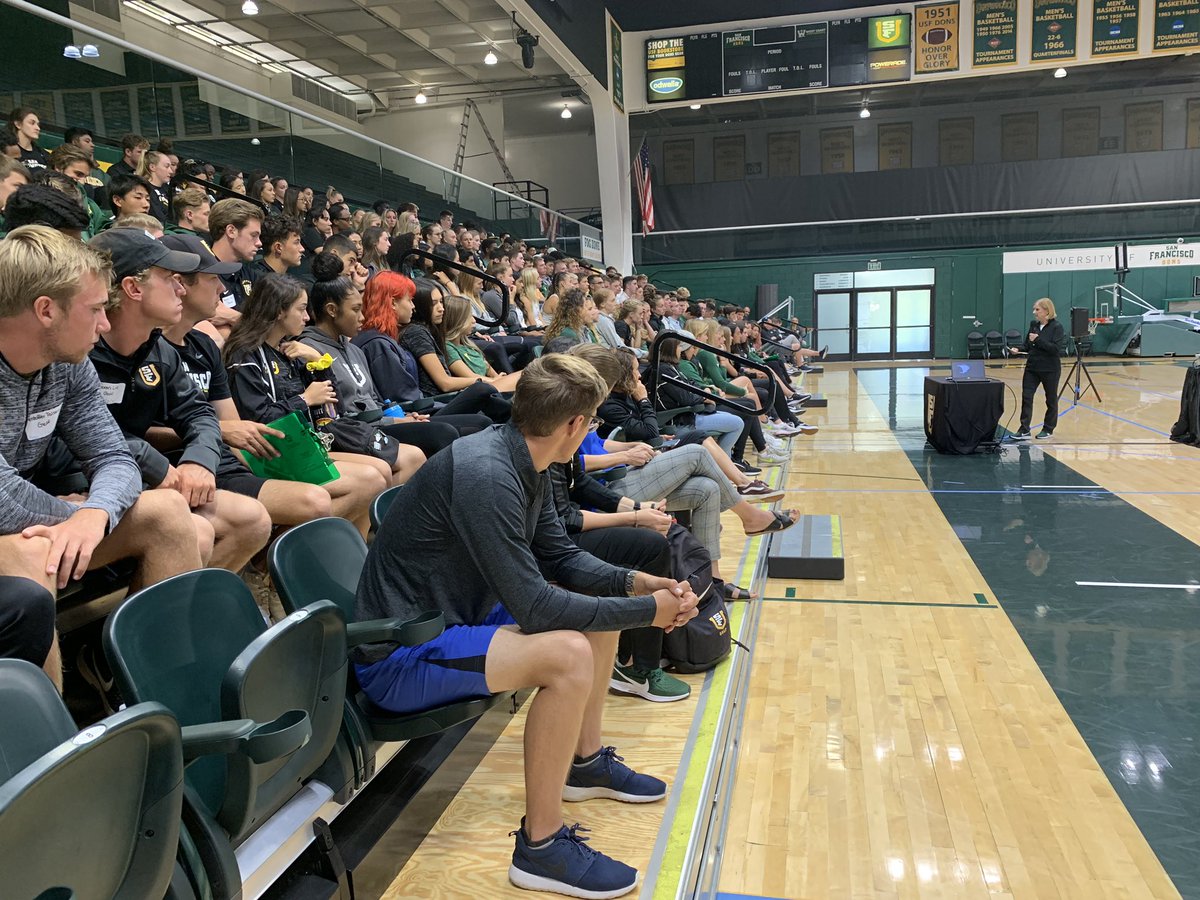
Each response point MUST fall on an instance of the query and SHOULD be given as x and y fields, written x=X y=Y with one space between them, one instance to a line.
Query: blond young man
x=54 y=295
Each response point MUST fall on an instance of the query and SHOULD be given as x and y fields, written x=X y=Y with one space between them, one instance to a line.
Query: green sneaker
x=654 y=685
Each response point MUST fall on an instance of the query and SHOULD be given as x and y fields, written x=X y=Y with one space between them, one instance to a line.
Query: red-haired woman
x=387 y=309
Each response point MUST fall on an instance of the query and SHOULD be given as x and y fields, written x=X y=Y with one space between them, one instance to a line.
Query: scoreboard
x=747 y=61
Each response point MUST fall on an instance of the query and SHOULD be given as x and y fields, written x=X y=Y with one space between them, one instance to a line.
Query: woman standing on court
x=1043 y=366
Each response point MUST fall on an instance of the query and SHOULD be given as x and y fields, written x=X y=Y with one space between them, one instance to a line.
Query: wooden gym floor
x=999 y=700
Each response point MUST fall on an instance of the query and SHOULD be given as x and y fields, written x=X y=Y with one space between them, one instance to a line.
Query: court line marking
x=1137 y=584
x=1122 y=419
x=978 y=604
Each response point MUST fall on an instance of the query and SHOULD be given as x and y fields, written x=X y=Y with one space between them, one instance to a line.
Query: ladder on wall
x=460 y=154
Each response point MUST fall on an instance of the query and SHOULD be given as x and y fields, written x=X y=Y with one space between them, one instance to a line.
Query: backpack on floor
x=706 y=640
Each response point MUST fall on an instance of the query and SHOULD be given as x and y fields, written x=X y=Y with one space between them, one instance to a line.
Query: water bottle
x=393 y=410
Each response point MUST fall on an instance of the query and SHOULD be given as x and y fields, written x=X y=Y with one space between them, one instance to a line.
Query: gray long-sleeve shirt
x=476 y=526
x=60 y=400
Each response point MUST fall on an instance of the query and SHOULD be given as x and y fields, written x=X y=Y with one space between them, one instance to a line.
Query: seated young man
x=143 y=381
x=288 y=502
x=53 y=297
x=475 y=533
x=127 y=195
x=191 y=207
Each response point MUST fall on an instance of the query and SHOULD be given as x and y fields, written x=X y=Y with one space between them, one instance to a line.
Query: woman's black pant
x=1030 y=382
x=438 y=434
x=480 y=398
x=782 y=411
x=495 y=353
x=752 y=432
x=644 y=551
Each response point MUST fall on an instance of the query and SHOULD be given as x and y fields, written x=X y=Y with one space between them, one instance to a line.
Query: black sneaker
x=567 y=865
x=1044 y=435
x=745 y=468
x=824 y=351
x=1022 y=435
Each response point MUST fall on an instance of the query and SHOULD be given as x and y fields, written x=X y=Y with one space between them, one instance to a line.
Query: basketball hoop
x=1099 y=320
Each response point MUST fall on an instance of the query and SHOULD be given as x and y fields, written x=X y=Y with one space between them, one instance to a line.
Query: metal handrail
x=741 y=361
x=470 y=270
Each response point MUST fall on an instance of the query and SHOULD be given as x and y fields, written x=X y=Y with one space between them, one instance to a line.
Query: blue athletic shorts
x=445 y=670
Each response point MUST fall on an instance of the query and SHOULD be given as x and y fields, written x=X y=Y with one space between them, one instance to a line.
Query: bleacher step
x=810 y=549
x=817 y=401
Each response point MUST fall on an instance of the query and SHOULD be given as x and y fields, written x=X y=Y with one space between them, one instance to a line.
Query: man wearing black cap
x=144 y=382
x=288 y=502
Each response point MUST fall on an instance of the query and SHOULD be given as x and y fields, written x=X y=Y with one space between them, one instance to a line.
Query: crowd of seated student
x=167 y=335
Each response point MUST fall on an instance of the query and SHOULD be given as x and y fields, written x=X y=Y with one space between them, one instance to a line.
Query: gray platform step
x=810 y=549
x=817 y=401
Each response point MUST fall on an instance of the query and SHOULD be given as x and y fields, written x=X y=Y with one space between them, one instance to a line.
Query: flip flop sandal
x=781 y=522
x=733 y=592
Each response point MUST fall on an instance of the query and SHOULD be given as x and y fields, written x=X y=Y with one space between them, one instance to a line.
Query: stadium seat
x=324 y=559
x=1013 y=339
x=197 y=644
x=93 y=815
x=381 y=504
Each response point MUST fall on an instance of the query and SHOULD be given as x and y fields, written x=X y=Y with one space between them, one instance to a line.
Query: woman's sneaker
x=745 y=468
x=606 y=776
x=760 y=492
x=654 y=685
x=774 y=457
x=565 y=864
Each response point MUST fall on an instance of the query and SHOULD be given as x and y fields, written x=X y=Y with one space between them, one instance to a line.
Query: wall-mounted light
x=864 y=113
x=91 y=51
x=491 y=59
x=71 y=52
x=254 y=142
x=694 y=106
x=1060 y=72
x=420 y=99
x=566 y=111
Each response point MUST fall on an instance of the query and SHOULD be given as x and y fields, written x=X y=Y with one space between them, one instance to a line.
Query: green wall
x=967 y=283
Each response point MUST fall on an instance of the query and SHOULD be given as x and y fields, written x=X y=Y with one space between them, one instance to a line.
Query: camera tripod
x=1079 y=370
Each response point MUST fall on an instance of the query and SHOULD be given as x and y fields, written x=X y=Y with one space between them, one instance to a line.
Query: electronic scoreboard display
x=749 y=61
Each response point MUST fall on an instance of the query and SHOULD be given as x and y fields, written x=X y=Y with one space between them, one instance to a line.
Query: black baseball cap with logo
x=133 y=250
x=209 y=264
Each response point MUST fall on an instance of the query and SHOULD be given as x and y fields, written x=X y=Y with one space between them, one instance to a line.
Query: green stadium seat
x=324 y=558
x=381 y=504
x=197 y=644
x=94 y=814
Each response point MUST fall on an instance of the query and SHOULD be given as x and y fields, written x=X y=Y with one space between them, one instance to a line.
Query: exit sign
x=874 y=265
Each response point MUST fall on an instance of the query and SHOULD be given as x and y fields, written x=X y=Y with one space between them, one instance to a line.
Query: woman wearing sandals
x=687 y=477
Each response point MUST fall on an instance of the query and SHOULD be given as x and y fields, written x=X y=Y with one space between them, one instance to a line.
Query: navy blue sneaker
x=607 y=776
x=567 y=865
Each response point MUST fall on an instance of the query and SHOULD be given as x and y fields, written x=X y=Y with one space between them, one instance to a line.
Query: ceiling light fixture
x=694 y=106
x=254 y=142
x=566 y=113
x=71 y=52
x=1060 y=72
x=420 y=99
x=91 y=51
x=249 y=8
x=864 y=113
x=491 y=59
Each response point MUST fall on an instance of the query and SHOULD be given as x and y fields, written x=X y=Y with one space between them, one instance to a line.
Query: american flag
x=641 y=175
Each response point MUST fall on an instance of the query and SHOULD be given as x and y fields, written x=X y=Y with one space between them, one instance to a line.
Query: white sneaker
x=774 y=457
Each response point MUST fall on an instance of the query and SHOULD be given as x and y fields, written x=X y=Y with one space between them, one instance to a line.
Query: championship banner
x=995 y=33
x=936 y=28
x=1114 y=27
x=895 y=146
x=1143 y=126
x=617 y=68
x=1019 y=137
x=1054 y=29
x=837 y=151
x=1081 y=131
x=1176 y=25
x=956 y=142
x=1193 y=124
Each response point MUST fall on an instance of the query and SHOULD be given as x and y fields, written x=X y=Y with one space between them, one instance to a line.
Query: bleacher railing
x=134 y=89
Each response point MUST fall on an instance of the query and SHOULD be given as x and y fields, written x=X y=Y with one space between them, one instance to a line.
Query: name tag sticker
x=229 y=300
x=41 y=424
x=112 y=392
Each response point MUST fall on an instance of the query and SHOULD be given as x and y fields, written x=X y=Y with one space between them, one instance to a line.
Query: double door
x=875 y=323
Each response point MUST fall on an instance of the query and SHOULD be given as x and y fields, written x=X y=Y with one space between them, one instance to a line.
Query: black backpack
x=706 y=640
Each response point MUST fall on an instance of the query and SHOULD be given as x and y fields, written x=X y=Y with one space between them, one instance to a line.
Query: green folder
x=302 y=456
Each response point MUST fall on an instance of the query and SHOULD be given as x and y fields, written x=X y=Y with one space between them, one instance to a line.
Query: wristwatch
x=630 y=578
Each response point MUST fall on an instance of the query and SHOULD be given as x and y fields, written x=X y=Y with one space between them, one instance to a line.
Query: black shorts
x=26 y=620
x=234 y=475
